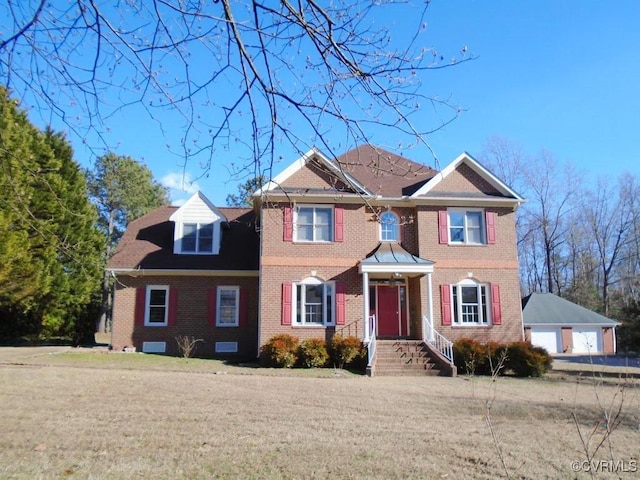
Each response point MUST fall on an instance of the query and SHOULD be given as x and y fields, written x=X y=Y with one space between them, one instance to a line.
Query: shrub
x=280 y=351
x=473 y=357
x=312 y=353
x=187 y=345
x=525 y=360
x=521 y=358
x=344 y=350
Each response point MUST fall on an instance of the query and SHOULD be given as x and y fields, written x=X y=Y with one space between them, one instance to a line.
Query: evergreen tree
x=50 y=250
x=122 y=189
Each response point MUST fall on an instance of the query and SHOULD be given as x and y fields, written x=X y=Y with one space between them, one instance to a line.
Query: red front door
x=388 y=312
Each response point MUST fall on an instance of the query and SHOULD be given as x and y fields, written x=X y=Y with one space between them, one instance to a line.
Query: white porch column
x=430 y=295
x=365 y=305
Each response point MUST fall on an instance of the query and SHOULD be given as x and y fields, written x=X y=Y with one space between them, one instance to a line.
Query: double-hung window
x=470 y=304
x=389 y=227
x=157 y=306
x=197 y=238
x=313 y=224
x=466 y=226
x=314 y=304
x=228 y=303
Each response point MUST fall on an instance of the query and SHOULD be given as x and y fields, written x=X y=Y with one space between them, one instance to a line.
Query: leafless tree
x=244 y=74
x=543 y=222
x=610 y=220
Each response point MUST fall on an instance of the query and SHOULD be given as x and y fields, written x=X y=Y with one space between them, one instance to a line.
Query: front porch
x=398 y=305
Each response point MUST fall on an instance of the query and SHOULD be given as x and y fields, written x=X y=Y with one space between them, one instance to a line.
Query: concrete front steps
x=404 y=357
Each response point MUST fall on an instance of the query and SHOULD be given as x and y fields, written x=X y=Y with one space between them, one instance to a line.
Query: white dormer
x=198 y=227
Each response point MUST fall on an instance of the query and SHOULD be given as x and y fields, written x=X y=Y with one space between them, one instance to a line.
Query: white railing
x=370 y=339
x=435 y=339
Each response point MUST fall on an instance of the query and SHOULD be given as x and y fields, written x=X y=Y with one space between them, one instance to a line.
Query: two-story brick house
x=368 y=244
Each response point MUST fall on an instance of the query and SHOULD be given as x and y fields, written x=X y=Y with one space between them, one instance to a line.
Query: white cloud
x=179 y=184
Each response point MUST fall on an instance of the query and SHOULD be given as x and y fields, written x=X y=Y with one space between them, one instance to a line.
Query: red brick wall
x=191 y=315
x=567 y=339
x=464 y=179
x=313 y=175
x=607 y=341
x=496 y=263
x=289 y=261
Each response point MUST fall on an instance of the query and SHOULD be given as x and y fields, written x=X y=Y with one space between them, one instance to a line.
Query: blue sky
x=556 y=75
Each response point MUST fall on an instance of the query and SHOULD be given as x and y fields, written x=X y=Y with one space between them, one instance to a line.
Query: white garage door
x=547 y=338
x=587 y=340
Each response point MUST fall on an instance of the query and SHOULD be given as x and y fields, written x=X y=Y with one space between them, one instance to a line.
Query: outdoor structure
x=368 y=244
x=561 y=326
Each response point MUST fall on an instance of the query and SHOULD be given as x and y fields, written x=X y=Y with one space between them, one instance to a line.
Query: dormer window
x=198 y=227
x=389 y=227
x=197 y=237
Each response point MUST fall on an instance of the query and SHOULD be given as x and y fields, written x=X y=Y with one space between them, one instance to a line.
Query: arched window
x=314 y=302
x=389 y=227
x=470 y=301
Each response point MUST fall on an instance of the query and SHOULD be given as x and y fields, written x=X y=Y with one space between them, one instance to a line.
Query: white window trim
x=147 y=306
x=332 y=226
x=294 y=303
x=219 y=291
x=397 y=224
x=471 y=283
x=483 y=225
x=215 y=239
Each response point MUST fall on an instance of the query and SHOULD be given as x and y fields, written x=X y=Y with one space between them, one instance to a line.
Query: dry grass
x=94 y=415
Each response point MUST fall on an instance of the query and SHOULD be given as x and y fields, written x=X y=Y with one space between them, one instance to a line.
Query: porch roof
x=390 y=257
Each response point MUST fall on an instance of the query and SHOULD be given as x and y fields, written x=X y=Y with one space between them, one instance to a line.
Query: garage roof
x=540 y=309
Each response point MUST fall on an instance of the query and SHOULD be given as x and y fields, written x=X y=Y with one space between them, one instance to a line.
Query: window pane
x=189 y=235
x=329 y=303
x=156 y=314
x=456 y=315
x=305 y=216
x=456 y=219
x=323 y=216
x=469 y=295
x=474 y=219
x=305 y=233
x=314 y=294
x=206 y=238
x=389 y=227
x=323 y=233
x=313 y=303
x=474 y=235
x=157 y=297
x=483 y=294
x=227 y=309
x=457 y=234
x=299 y=293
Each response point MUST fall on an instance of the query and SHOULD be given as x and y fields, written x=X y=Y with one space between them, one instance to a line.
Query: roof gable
x=329 y=175
x=541 y=309
x=197 y=209
x=465 y=176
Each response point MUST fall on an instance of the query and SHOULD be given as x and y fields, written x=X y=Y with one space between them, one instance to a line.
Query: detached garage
x=561 y=326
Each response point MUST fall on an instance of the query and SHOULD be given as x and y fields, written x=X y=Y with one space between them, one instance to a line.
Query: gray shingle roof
x=389 y=252
x=546 y=309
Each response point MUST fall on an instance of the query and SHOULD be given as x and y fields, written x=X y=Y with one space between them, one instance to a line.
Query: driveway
x=597 y=363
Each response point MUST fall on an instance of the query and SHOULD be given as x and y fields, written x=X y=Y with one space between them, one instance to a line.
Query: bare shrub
x=187 y=345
